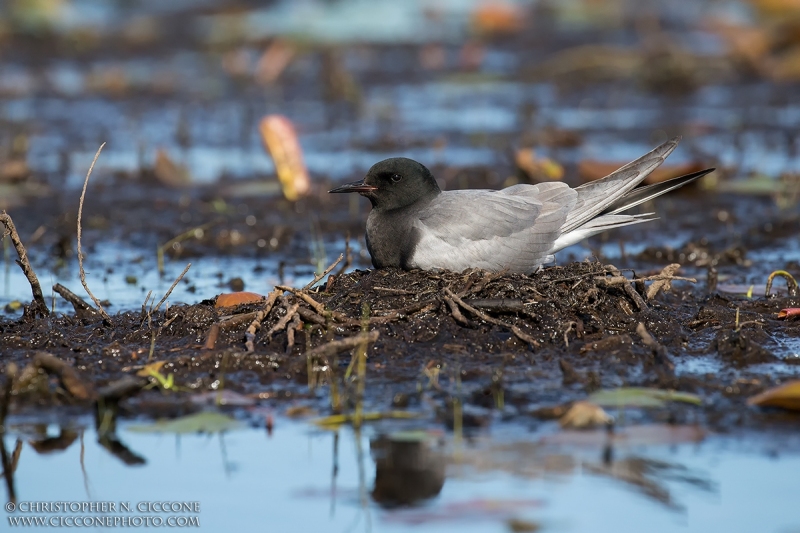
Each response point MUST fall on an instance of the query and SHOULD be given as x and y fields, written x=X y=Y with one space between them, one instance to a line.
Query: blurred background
x=487 y=93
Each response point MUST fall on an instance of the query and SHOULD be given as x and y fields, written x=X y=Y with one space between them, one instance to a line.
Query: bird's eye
x=396 y=177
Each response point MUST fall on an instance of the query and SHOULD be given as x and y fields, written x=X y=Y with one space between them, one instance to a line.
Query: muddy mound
x=546 y=338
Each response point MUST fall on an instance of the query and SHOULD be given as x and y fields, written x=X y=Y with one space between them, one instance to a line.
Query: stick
x=294 y=325
x=393 y=291
x=172 y=287
x=78 y=303
x=333 y=347
x=348 y=258
x=524 y=336
x=456 y=312
x=663 y=281
x=498 y=304
x=80 y=254
x=211 y=339
x=224 y=323
x=396 y=314
x=310 y=316
x=250 y=334
x=635 y=296
x=25 y=265
x=318 y=307
x=483 y=316
x=626 y=286
x=327 y=270
x=284 y=320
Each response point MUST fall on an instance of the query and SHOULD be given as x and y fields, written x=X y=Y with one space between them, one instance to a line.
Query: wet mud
x=518 y=347
x=514 y=345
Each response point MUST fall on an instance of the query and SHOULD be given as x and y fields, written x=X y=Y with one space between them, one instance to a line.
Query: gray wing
x=511 y=229
x=597 y=196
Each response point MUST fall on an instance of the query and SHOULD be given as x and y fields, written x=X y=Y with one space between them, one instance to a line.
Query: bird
x=413 y=224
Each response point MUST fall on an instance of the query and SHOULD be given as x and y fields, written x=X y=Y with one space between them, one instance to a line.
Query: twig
x=80 y=254
x=498 y=304
x=348 y=258
x=572 y=325
x=325 y=273
x=78 y=303
x=333 y=347
x=483 y=316
x=216 y=327
x=524 y=336
x=480 y=314
x=318 y=307
x=393 y=291
x=284 y=321
x=172 y=287
x=618 y=280
x=211 y=338
x=250 y=334
x=663 y=281
x=25 y=265
x=310 y=316
x=635 y=296
x=294 y=325
x=456 y=312
x=487 y=278
x=144 y=314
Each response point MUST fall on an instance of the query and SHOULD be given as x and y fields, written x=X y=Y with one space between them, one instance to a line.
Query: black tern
x=414 y=224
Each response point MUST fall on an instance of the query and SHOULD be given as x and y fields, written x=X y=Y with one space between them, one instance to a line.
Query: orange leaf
x=231 y=299
x=789 y=311
x=169 y=172
x=786 y=396
x=497 y=16
x=591 y=170
x=538 y=168
x=281 y=142
x=274 y=61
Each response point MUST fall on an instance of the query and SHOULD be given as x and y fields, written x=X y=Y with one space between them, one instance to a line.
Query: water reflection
x=389 y=479
x=409 y=468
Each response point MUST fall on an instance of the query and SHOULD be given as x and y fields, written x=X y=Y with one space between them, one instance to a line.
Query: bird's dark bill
x=356 y=186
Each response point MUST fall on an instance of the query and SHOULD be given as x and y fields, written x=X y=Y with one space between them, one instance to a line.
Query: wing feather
x=494 y=230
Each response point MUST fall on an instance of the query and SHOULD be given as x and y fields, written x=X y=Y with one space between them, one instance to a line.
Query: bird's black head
x=394 y=183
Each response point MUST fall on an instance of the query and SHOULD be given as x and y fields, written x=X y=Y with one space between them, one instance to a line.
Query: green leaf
x=641 y=397
x=335 y=421
x=205 y=422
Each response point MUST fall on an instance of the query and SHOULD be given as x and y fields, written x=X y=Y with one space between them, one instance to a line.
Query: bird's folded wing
x=594 y=197
x=510 y=229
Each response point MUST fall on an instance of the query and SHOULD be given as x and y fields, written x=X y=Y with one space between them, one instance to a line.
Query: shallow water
x=246 y=480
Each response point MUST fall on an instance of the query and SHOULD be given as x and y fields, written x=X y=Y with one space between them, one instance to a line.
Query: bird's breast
x=391 y=240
